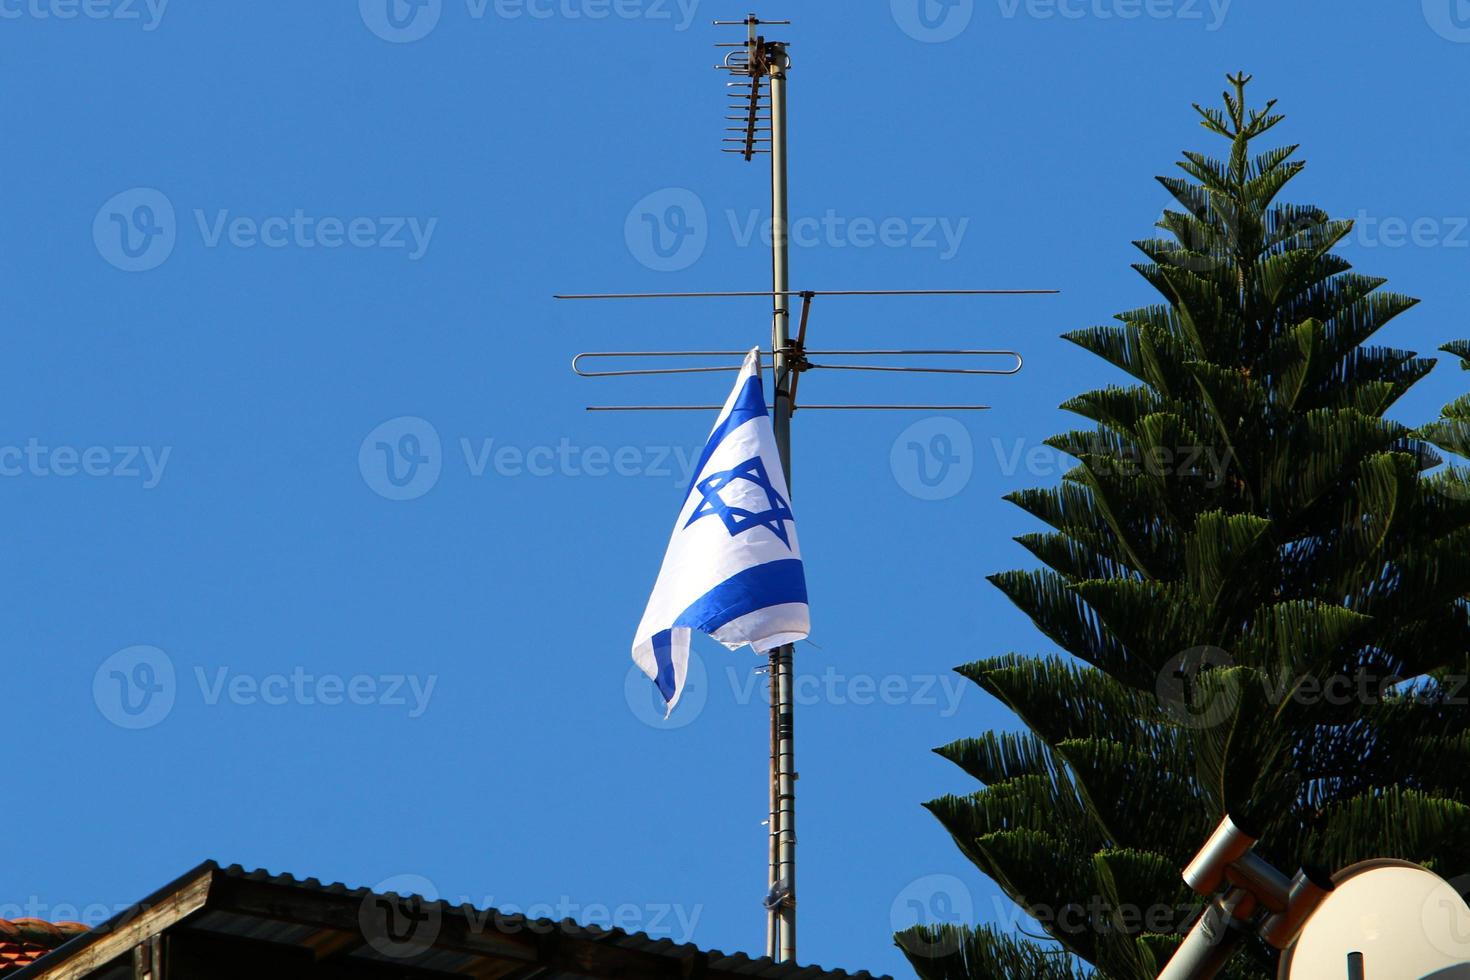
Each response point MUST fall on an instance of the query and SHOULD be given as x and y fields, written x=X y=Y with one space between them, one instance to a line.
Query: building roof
x=23 y=941
x=364 y=933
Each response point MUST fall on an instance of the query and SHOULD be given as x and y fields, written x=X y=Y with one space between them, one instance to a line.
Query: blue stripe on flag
x=750 y=405
x=757 y=587
x=664 y=658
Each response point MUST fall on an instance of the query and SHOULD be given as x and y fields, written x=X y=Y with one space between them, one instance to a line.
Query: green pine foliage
x=1258 y=586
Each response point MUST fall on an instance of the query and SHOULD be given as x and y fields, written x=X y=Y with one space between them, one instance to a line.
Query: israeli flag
x=733 y=567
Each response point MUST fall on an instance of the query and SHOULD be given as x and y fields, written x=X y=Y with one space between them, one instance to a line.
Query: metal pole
x=773 y=915
x=1214 y=940
x=784 y=774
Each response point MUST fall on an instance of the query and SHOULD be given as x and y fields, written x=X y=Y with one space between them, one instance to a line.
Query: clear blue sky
x=185 y=410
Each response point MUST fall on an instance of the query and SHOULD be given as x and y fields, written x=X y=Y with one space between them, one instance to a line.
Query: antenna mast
x=766 y=63
x=758 y=125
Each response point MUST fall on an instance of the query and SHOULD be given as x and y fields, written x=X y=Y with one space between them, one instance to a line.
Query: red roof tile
x=23 y=941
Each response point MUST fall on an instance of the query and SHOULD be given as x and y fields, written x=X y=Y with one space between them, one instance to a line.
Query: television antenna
x=759 y=126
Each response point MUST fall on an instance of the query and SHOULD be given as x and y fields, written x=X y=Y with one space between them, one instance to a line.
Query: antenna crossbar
x=812 y=408
x=766 y=293
x=802 y=361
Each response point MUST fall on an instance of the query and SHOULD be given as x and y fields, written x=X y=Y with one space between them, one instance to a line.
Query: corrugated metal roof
x=738 y=963
x=259 y=906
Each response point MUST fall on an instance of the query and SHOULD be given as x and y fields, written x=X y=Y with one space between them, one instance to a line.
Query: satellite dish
x=1402 y=921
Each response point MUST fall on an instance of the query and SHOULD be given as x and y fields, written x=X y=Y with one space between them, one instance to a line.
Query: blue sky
x=344 y=228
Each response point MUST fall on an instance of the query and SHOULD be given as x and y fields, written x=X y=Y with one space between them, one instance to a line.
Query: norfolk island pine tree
x=1258 y=584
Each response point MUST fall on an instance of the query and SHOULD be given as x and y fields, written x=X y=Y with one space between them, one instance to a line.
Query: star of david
x=738 y=520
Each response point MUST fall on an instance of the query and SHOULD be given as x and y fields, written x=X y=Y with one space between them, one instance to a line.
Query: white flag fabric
x=733 y=566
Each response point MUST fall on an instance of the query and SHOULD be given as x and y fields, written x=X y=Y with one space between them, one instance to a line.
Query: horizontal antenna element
x=803 y=364
x=810 y=408
x=816 y=292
